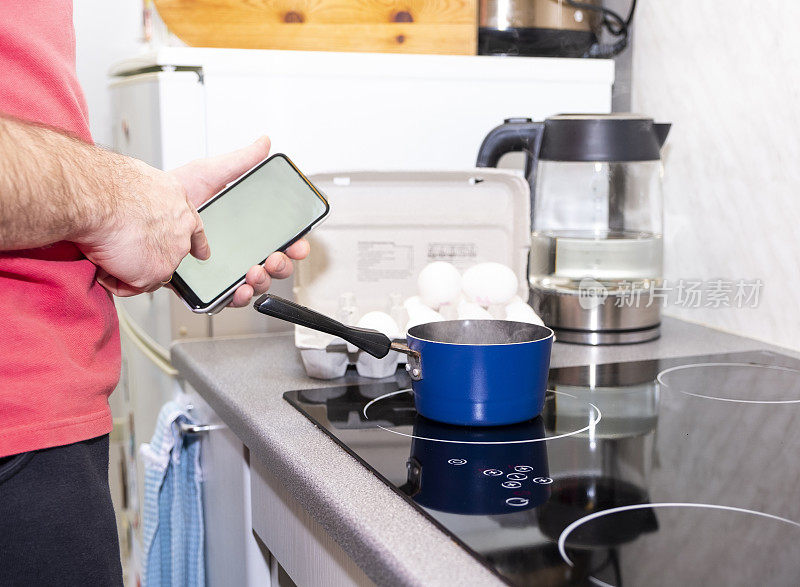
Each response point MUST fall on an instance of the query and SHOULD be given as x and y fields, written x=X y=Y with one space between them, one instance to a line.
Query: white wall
x=727 y=75
x=106 y=31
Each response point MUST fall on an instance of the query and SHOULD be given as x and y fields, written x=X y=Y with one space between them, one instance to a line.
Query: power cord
x=614 y=24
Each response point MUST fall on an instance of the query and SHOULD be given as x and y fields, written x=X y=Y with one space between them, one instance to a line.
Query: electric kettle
x=596 y=219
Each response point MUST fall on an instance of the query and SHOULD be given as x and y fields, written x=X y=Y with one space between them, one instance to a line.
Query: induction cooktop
x=663 y=472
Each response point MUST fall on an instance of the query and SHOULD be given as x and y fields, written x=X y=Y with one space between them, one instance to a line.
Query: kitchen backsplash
x=726 y=76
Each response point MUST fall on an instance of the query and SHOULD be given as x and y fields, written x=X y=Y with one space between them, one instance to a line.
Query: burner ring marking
x=592 y=423
x=727 y=399
x=562 y=539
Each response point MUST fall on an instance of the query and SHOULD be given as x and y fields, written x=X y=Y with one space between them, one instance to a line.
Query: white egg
x=489 y=283
x=380 y=321
x=450 y=311
x=522 y=312
x=412 y=301
x=439 y=283
x=421 y=315
x=472 y=311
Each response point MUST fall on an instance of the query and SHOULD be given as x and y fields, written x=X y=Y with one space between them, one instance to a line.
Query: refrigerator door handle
x=187 y=428
x=149 y=347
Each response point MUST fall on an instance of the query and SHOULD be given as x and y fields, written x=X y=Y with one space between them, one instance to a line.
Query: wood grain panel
x=388 y=26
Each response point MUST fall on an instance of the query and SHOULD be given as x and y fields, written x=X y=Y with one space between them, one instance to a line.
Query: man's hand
x=147 y=230
x=163 y=223
x=205 y=177
x=134 y=222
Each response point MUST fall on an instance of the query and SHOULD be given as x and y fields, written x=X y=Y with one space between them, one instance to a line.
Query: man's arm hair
x=134 y=222
x=52 y=187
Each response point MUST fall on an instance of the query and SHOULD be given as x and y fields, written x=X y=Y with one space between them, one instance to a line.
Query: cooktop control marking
x=542 y=480
x=511 y=484
x=517 y=501
x=457 y=461
x=492 y=472
x=517 y=476
x=593 y=422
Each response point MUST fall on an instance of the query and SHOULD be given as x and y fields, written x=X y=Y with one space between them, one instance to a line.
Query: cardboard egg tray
x=384 y=227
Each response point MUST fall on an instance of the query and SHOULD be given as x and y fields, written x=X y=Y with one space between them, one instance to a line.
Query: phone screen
x=258 y=215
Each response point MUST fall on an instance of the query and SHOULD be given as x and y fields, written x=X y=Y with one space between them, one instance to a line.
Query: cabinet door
x=299 y=544
x=233 y=556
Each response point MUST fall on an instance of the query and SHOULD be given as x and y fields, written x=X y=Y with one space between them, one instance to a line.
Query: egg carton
x=333 y=360
x=383 y=228
x=326 y=357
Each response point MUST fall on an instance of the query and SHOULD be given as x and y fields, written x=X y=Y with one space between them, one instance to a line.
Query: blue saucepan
x=464 y=372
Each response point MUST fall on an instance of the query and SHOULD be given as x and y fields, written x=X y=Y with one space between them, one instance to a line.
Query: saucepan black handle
x=375 y=343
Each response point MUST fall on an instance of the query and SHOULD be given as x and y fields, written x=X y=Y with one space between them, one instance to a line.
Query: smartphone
x=266 y=210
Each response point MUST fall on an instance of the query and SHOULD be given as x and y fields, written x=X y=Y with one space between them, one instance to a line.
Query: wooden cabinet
x=385 y=26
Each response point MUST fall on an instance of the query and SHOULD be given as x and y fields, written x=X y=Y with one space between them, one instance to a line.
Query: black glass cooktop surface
x=665 y=472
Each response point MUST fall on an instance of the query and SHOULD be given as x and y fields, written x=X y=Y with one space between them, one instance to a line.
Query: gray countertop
x=243 y=380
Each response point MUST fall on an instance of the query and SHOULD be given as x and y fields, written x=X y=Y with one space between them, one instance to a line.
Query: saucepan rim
x=551 y=334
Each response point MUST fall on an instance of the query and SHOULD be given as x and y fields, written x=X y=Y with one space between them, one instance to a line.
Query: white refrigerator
x=329 y=112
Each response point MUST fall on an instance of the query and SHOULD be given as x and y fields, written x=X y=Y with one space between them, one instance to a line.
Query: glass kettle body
x=596 y=218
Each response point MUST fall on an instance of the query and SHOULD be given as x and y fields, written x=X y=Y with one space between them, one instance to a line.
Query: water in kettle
x=619 y=260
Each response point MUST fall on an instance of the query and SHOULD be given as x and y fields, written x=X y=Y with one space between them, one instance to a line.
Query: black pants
x=57 y=524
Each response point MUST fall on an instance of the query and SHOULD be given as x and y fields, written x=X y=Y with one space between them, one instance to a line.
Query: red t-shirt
x=59 y=337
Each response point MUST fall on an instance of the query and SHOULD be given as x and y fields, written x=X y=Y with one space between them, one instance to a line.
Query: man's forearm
x=52 y=187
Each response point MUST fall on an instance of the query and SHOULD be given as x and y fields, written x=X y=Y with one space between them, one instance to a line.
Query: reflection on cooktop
x=493 y=475
x=634 y=473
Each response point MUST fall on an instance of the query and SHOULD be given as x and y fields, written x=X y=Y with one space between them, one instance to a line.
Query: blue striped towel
x=172 y=516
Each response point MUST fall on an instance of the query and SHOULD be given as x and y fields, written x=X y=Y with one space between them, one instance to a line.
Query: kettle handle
x=515 y=134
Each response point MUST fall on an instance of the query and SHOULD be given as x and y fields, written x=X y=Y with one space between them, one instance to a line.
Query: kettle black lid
x=602 y=137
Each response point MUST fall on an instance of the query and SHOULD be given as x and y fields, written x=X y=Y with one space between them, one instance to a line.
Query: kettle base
x=608 y=337
x=607 y=319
